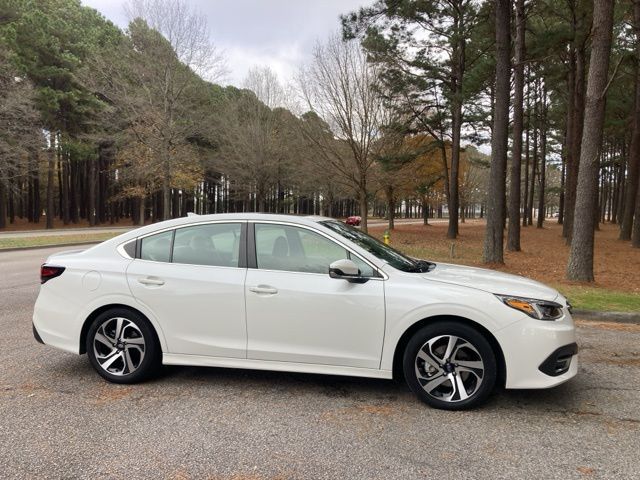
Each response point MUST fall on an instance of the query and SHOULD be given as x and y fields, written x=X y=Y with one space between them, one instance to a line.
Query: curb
x=51 y=245
x=613 y=317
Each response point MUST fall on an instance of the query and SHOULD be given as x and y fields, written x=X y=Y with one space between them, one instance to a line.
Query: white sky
x=275 y=33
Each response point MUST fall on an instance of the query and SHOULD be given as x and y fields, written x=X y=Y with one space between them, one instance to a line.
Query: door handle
x=264 y=289
x=151 y=281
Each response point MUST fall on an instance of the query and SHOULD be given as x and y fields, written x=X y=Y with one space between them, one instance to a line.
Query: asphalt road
x=58 y=419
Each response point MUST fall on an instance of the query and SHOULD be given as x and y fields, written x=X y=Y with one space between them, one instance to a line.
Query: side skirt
x=202 y=361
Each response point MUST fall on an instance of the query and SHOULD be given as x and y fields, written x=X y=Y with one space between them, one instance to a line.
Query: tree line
x=100 y=124
x=547 y=82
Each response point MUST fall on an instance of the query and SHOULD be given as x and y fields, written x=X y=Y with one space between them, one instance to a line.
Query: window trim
x=242 y=254
x=253 y=257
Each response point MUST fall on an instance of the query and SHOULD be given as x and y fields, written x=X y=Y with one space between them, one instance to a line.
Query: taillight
x=47 y=272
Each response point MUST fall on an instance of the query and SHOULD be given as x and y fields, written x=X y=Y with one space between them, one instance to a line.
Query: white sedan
x=301 y=294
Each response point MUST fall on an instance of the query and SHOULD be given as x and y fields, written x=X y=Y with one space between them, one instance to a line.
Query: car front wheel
x=122 y=347
x=450 y=365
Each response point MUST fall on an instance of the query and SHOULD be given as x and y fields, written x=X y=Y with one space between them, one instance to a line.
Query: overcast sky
x=277 y=33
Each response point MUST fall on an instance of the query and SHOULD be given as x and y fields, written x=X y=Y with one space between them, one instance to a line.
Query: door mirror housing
x=346 y=269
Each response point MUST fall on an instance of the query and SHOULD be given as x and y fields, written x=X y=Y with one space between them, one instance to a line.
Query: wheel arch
x=92 y=316
x=398 y=373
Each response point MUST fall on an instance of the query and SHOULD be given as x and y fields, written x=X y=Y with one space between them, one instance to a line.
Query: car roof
x=310 y=220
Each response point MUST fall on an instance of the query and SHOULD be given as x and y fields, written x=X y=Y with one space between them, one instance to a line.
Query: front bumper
x=559 y=361
x=539 y=354
x=36 y=335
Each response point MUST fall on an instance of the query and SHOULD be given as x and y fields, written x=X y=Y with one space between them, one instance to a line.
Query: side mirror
x=346 y=269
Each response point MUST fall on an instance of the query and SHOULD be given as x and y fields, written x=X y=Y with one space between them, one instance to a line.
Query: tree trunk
x=391 y=207
x=513 y=232
x=635 y=234
x=425 y=210
x=66 y=216
x=3 y=204
x=562 y=181
x=626 y=223
x=543 y=159
x=92 y=192
x=50 y=176
x=573 y=167
x=527 y=155
x=493 y=242
x=364 y=209
x=580 y=266
x=457 y=70
x=452 y=231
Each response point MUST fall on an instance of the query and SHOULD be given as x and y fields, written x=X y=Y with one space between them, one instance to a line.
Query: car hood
x=490 y=281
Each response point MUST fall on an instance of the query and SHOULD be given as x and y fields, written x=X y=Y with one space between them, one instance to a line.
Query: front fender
x=485 y=317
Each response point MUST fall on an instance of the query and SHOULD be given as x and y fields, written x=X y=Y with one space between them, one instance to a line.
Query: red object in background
x=353 y=220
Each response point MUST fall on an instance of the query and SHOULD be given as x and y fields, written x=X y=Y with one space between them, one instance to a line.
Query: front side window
x=377 y=248
x=216 y=244
x=281 y=247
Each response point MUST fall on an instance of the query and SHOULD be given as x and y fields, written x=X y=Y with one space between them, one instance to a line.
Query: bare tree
x=343 y=89
x=493 y=242
x=580 y=266
x=187 y=31
x=267 y=87
x=155 y=88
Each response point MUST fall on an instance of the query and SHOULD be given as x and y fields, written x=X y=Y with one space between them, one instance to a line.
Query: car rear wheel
x=450 y=365
x=122 y=346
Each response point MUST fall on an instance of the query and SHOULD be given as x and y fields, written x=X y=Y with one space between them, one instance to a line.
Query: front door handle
x=264 y=289
x=151 y=281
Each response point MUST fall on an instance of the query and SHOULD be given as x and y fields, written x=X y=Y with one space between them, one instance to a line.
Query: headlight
x=538 y=309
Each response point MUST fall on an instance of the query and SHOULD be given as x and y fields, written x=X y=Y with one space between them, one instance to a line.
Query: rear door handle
x=151 y=281
x=264 y=289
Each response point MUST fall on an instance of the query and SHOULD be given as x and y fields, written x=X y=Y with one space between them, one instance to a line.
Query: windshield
x=377 y=248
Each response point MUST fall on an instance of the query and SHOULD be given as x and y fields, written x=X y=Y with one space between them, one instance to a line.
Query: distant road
x=62 y=232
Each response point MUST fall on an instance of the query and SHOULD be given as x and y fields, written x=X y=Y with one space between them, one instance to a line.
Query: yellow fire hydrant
x=386 y=238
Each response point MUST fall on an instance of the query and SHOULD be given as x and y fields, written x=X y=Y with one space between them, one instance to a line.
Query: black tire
x=144 y=358
x=438 y=375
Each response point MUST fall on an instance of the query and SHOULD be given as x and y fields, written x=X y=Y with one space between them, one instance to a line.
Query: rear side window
x=216 y=244
x=157 y=247
x=130 y=248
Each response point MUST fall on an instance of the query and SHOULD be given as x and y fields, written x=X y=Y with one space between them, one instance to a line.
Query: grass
x=54 y=240
x=600 y=299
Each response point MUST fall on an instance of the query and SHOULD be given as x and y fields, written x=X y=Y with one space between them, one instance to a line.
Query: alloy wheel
x=449 y=368
x=119 y=346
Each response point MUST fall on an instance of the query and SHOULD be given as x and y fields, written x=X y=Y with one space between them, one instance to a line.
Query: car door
x=192 y=278
x=297 y=313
